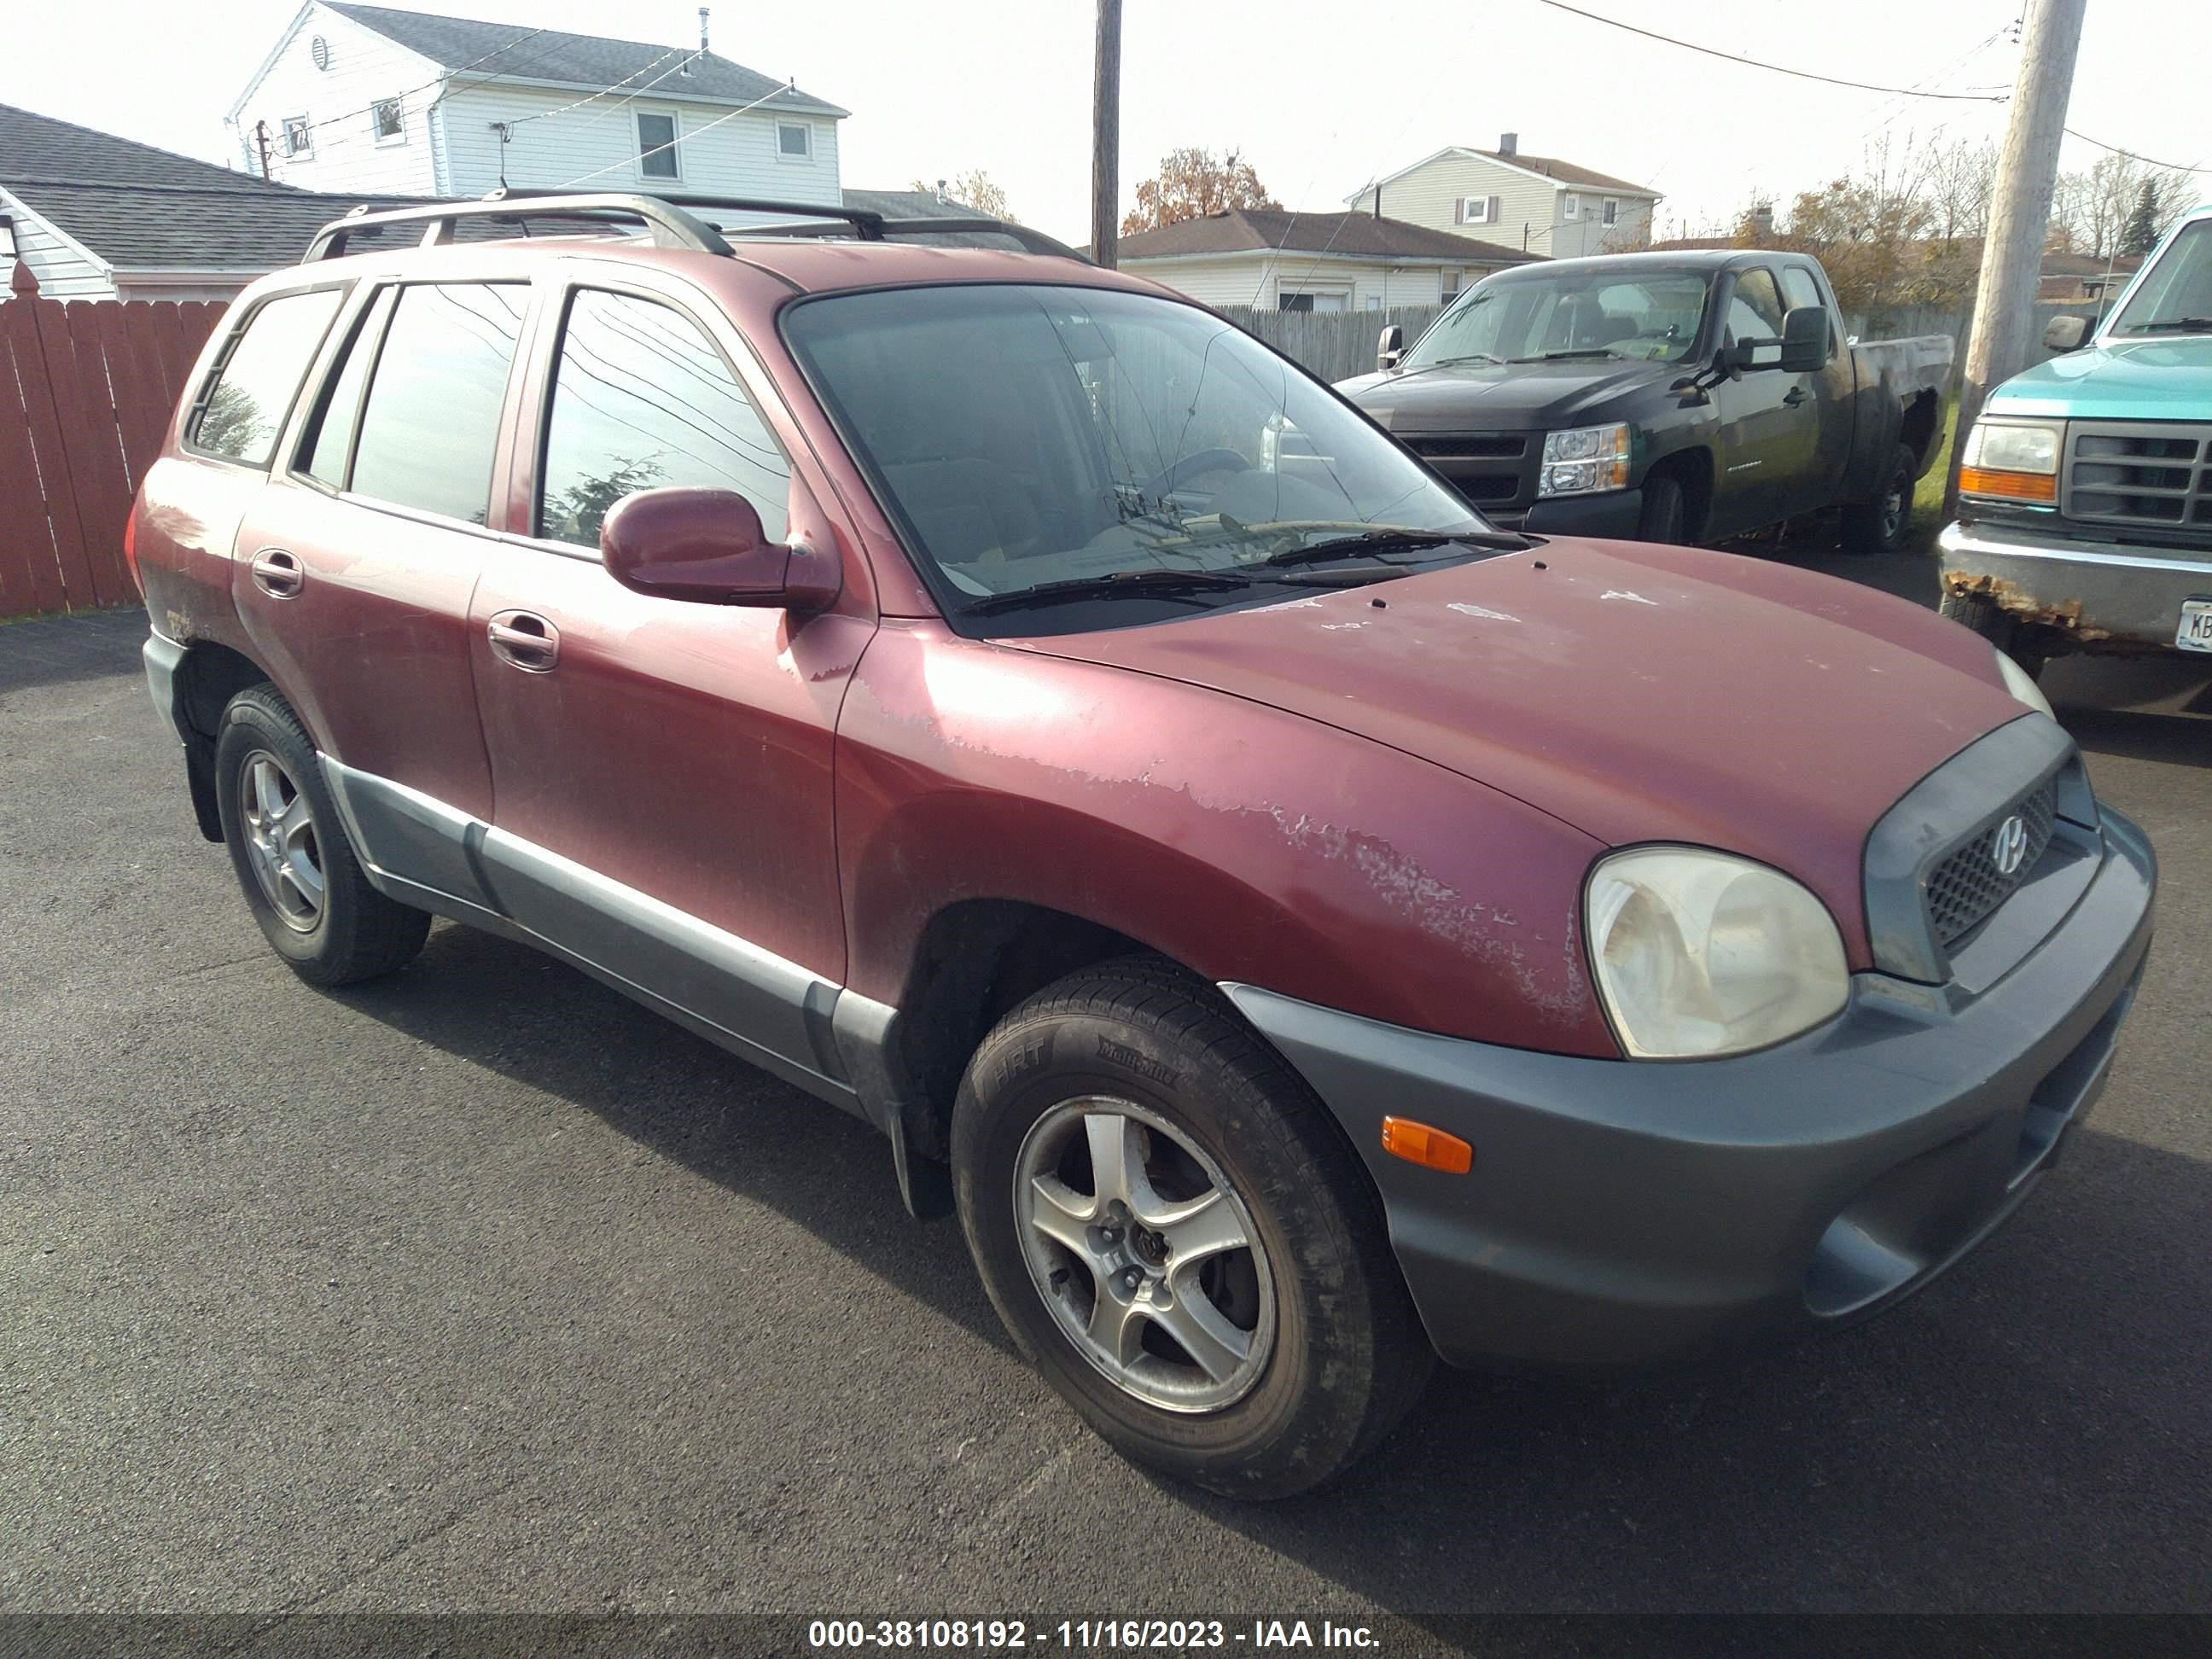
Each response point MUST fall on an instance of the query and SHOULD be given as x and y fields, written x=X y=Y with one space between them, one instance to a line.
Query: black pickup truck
x=1679 y=397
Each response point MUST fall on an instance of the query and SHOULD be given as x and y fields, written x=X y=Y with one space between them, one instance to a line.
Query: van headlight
x=1583 y=460
x=1700 y=953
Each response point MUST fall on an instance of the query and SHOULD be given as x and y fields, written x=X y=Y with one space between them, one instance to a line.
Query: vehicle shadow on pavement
x=2028 y=1435
x=56 y=650
x=518 y=1013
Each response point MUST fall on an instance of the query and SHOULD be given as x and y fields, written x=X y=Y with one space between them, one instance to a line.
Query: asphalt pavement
x=481 y=1288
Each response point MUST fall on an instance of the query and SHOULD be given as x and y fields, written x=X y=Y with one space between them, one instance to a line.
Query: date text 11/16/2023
x=1010 y=1635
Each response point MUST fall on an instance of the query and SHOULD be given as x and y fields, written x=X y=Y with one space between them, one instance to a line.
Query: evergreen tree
x=2141 y=233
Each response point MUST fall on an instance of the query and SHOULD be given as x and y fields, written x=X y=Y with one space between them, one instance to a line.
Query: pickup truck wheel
x=1662 y=518
x=1985 y=617
x=1880 y=526
x=1172 y=1227
x=294 y=864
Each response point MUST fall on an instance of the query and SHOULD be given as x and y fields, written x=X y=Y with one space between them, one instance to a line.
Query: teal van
x=2085 y=489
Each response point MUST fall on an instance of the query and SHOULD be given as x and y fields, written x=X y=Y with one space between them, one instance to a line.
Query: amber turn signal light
x=2008 y=486
x=1430 y=1148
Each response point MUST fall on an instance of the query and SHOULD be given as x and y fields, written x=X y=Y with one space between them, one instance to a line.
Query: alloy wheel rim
x=281 y=845
x=1145 y=1255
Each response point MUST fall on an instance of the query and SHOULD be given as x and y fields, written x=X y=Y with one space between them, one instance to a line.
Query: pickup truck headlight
x=1701 y=953
x=2011 y=461
x=1586 y=459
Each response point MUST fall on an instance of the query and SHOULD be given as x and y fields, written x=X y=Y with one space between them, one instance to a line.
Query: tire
x=1984 y=617
x=1225 y=1143
x=1663 y=515
x=1881 y=525
x=297 y=869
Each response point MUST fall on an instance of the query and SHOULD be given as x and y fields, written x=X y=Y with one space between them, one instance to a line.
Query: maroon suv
x=1305 y=929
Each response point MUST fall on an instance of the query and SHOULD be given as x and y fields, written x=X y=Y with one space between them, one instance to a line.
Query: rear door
x=356 y=566
x=661 y=770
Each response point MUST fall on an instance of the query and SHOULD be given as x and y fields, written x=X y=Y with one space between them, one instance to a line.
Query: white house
x=1281 y=261
x=368 y=98
x=1538 y=204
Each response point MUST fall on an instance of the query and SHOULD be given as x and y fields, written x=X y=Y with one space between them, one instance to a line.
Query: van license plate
x=2194 y=633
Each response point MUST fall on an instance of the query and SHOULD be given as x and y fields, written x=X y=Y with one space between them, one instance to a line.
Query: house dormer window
x=794 y=140
x=299 y=136
x=1571 y=206
x=656 y=146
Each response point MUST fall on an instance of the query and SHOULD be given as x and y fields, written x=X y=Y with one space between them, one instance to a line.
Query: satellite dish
x=319 y=50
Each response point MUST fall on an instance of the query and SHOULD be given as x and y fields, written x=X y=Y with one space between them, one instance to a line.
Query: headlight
x=2010 y=460
x=1700 y=953
x=1587 y=458
x=2017 y=682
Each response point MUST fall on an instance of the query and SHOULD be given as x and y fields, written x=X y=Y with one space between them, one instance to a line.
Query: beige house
x=1280 y=261
x=1536 y=204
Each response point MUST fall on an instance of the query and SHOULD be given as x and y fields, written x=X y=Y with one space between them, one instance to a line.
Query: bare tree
x=1192 y=183
x=976 y=189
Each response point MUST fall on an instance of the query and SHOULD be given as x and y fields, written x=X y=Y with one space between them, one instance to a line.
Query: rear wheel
x=1880 y=526
x=1172 y=1229
x=297 y=869
x=1985 y=617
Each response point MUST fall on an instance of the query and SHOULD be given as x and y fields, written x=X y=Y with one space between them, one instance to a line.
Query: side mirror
x=2066 y=333
x=1390 y=348
x=1804 y=339
x=707 y=546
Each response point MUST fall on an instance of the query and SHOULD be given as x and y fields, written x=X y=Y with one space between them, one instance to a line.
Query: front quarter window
x=2175 y=296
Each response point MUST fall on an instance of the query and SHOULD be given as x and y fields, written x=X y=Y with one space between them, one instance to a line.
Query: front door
x=661 y=770
x=1767 y=435
x=356 y=567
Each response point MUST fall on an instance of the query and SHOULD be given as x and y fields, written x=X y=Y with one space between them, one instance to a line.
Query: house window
x=1611 y=211
x=1571 y=206
x=383 y=121
x=794 y=140
x=1478 y=209
x=299 y=136
x=656 y=147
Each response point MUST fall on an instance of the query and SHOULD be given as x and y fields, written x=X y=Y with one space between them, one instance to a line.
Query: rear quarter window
x=258 y=376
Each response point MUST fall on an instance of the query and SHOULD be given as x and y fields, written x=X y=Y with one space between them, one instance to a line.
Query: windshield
x=2175 y=296
x=1529 y=317
x=1030 y=436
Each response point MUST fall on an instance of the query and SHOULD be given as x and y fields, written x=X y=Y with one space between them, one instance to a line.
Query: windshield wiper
x=2174 y=325
x=1118 y=585
x=1553 y=356
x=1390 y=541
x=1471 y=357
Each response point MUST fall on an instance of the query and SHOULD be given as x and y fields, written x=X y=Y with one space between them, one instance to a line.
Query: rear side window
x=643 y=398
x=431 y=424
x=259 y=376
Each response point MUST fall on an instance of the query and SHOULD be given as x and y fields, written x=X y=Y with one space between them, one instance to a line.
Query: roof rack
x=666 y=218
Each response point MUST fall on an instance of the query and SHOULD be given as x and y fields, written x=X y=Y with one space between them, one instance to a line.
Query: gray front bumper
x=1624 y=1212
x=2103 y=594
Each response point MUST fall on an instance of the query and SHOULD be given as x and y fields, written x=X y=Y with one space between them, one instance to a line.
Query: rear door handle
x=1794 y=396
x=278 y=572
x=522 y=640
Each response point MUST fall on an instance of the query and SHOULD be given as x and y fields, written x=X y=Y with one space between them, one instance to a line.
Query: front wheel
x=1880 y=526
x=1172 y=1227
x=1663 y=517
x=1986 y=617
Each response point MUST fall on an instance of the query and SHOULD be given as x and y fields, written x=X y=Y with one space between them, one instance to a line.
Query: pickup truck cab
x=1304 y=929
x=2085 y=488
x=1676 y=396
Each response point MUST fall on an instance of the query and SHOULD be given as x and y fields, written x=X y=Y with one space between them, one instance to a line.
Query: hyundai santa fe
x=1303 y=930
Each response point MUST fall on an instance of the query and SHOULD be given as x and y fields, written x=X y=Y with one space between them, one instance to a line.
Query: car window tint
x=1798 y=287
x=641 y=398
x=432 y=422
x=329 y=441
x=1755 y=313
x=254 y=388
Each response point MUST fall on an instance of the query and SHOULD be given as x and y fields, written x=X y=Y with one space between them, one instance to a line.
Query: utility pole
x=261 y=143
x=1106 y=136
x=2020 y=213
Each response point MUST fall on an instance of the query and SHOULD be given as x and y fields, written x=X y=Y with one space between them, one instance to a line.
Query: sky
x=1320 y=98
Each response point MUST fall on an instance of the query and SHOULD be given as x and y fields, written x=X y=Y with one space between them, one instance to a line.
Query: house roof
x=923 y=204
x=1563 y=174
x=501 y=50
x=1240 y=230
x=143 y=209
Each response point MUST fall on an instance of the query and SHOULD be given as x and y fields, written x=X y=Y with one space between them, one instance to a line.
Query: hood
x=1509 y=396
x=1638 y=692
x=2145 y=379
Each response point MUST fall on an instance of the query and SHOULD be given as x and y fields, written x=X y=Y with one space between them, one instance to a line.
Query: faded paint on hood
x=1639 y=693
x=2149 y=379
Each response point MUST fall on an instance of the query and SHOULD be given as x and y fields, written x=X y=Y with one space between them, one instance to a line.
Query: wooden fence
x=1331 y=345
x=86 y=389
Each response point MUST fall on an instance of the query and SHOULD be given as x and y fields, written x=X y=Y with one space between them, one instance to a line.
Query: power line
x=450 y=75
x=791 y=87
x=1778 y=69
x=2170 y=166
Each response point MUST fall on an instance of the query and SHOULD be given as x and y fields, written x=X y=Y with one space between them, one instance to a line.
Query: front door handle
x=522 y=640
x=1794 y=396
x=277 y=574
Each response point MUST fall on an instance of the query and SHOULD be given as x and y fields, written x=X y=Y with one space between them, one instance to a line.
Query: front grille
x=1491 y=468
x=2151 y=475
x=1966 y=888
